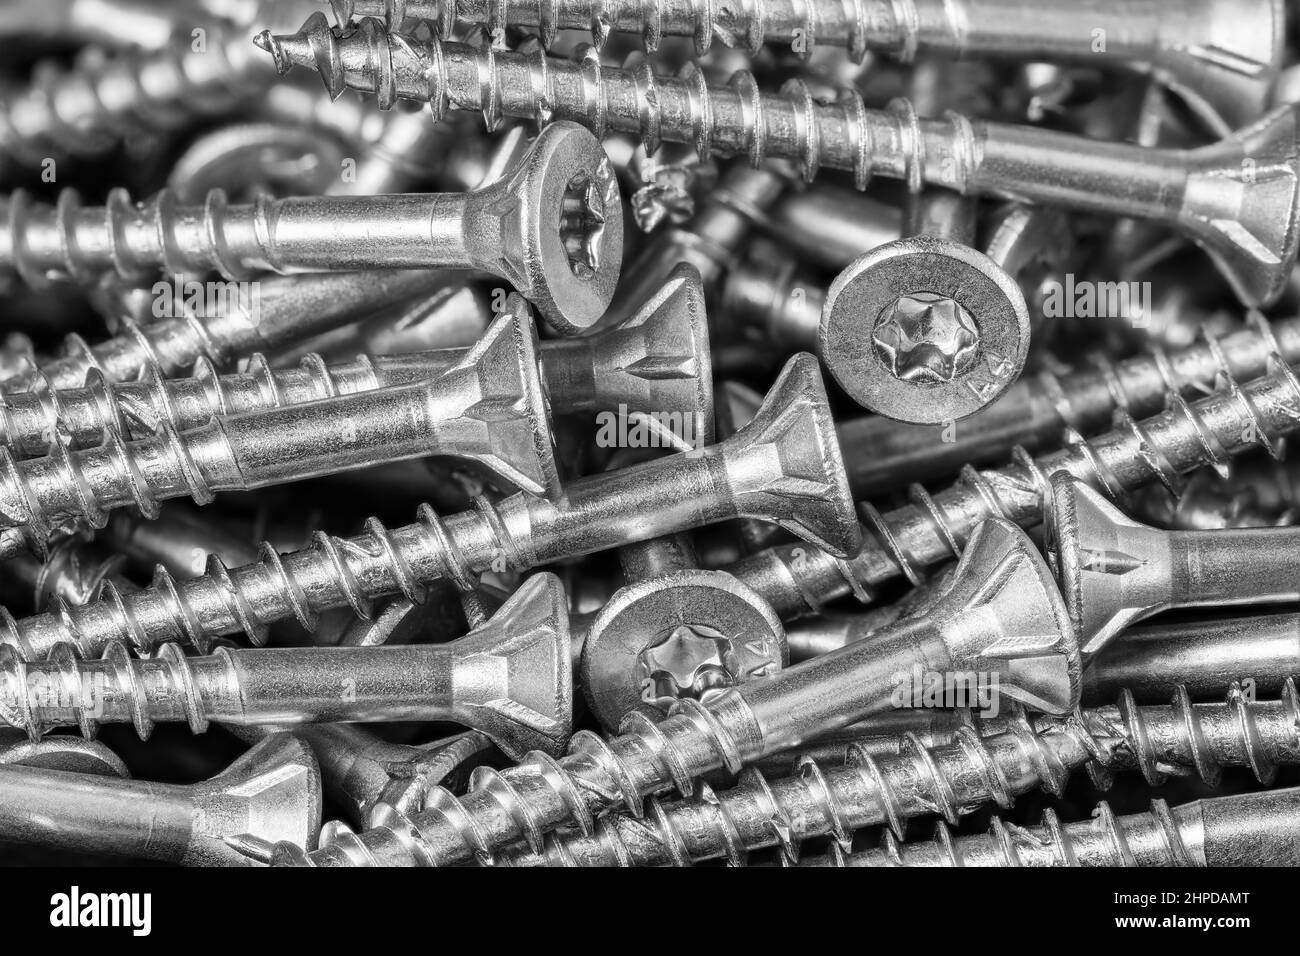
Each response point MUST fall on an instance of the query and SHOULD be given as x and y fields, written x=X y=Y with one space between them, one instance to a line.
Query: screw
x=1237 y=198
x=830 y=227
x=275 y=313
x=1208 y=503
x=709 y=241
x=273 y=792
x=363 y=772
x=510 y=679
x=489 y=407
x=657 y=362
x=784 y=467
x=1013 y=757
x=1202 y=656
x=1003 y=615
x=1247 y=36
x=1114 y=571
x=70 y=572
x=882 y=455
x=674 y=634
x=139 y=23
x=795 y=578
x=924 y=330
x=1251 y=829
x=61 y=752
x=552 y=227
x=87 y=109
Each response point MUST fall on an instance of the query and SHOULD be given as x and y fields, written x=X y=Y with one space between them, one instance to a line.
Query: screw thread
x=735 y=118
x=748 y=23
x=32 y=422
x=348 y=572
x=1155 y=838
x=1012 y=757
x=63 y=242
x=34 y=698
x=39 y=493
x=528 y=800
x=1134 y=454
x=85 y=109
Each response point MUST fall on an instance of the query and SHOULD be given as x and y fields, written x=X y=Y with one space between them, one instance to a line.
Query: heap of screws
x=766 y=426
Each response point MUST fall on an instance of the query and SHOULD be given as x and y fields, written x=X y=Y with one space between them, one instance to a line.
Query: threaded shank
x=736 y=119
x=84 y=110
x=949 y=780
x=934 y=528
x=526 y=801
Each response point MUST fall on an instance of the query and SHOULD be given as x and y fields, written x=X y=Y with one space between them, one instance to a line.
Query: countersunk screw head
x=924 y=330
x=926 y=337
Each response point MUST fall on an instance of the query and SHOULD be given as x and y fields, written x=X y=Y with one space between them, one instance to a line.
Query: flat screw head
x=924 y=330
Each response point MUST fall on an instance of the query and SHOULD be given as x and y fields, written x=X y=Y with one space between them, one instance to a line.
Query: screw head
x=924 y=330
x=681 y=634
x=565 y=196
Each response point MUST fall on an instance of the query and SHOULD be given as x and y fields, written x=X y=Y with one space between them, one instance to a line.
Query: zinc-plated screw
x=657 y=362
x=1208 y=503
x=274 y=313
x=1237 y=199
x=1115 y=571
x=510 y=679
x=796 y=578
x=488 y=407
x=784 y=467
x=829 y=226
x=1004 y=758
x=552 y=227
x=1221 y=56
x=1003 y=615
x=272 y=792
x=1251 y=829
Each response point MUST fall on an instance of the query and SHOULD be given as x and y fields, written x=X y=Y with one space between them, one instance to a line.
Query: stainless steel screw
x=1261 y=651
x=1004 y=615
x=88 y=108
x=276 y=313
x=273 y=792
x=510 y=679
x=783 y=467
x=1245 y=36
x=1115 y=572
x=795 y=578
x=1012 y=757
x=655 y=363
x=552 y=227
x=1251 y=829
x=488 y=407
x=1237 y=198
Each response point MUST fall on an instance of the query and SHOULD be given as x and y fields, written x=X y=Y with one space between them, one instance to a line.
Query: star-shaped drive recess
x=927 y=338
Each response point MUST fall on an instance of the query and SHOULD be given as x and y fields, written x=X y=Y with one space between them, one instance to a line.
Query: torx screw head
x=564 y=199
x=675 y=635
x=926 y=338
x=689 y=661
x=924 y=330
